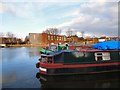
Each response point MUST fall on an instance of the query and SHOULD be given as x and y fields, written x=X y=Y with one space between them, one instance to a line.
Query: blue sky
x=95 y=18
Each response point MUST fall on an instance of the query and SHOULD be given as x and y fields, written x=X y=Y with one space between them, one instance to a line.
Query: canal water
x=19 y=71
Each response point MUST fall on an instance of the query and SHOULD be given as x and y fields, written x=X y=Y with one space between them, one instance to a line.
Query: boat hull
x=99 y=80
x=59 y=69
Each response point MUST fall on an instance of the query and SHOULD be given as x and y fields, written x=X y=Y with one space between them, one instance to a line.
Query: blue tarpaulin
x=108 y=45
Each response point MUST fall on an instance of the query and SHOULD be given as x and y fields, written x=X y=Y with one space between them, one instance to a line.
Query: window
x=51 y=37
x=49 y=60
x=102 y=56
x=48 y=37
x=34 y=36
x=53 y=48
x=43 y=59
x=57 y=37
x=65 y=38
x=54 y=37
x=60 y=38
x=79 y=54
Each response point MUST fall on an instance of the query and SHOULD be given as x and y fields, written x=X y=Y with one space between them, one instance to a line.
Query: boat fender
x=39 y=59
x=37 y=75
x=37 y=65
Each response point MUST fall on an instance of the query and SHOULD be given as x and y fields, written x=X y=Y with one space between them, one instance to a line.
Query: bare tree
x=53 y=31
x=70 y=32
x=26 y=40
x=47 y=31
x=1 y=34
x=10 y=34
x=56 y=31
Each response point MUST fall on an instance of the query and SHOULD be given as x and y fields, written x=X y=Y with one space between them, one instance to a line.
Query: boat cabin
x=82 y=56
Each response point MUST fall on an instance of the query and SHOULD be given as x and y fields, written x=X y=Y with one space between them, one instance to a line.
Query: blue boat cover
x=108 y=45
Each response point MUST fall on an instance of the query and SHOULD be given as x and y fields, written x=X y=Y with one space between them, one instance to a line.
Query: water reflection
x=9 y=78
x=18 y=67
x=33 y=52
x=14 y=53
x=110 y=80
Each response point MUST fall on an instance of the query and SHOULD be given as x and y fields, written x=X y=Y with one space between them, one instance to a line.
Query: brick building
x=72 y=39
x=10 y=40
x=46 y=39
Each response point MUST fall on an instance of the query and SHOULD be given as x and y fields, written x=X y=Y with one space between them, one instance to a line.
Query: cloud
x=6 y=8
x=17 y=9
x=96 y=18
x=100 y=1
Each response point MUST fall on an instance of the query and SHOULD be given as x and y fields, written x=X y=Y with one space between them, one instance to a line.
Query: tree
x=47 y=31
x=70 y=32
x=1 y=34
x=26 y=40
x=53 y=31
x=10 y=34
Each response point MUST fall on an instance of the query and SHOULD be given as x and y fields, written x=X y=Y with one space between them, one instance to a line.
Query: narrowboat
x=62 y=60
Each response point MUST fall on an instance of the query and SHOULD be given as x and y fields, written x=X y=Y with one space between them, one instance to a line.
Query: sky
x=95 y=17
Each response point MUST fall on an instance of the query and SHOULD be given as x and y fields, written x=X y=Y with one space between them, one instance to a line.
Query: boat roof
x=59 y=52
x=81 y=50
x=96 y=50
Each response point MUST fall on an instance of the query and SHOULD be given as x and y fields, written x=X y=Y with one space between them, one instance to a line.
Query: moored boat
x=61 y=60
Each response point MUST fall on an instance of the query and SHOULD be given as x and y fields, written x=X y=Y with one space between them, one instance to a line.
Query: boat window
x=49 y=60
x=79 y=54
x=102 y=56
x=53 y=48
x=43 y=59
x=99 y=53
